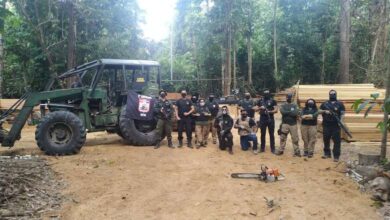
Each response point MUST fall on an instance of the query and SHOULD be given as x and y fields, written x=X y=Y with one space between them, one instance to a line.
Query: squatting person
x=247 y=130
x=224 y=124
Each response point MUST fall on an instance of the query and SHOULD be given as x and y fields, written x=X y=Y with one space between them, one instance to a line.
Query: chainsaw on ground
x=266 y=175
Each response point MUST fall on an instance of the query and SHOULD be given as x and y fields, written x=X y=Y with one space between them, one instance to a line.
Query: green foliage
x=105 y=29
x=361 y=104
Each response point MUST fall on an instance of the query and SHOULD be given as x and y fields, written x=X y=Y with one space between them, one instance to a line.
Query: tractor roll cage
x=80 y=70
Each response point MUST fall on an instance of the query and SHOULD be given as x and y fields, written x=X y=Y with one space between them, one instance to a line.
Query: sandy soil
x=109 y=180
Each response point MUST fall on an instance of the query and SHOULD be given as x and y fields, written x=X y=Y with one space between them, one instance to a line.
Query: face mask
x=201 y=103
x=163 y=95
x=247 y=96
x=332 y=97
x=289 y=98
x=194 y=100
x=184 y=95
x=266 y=95
x=310 y=104
x=211 y=99
x=224 y=112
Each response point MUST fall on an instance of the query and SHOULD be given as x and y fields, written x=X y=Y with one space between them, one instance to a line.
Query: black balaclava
x=289 y=98
x=332 y=95
x=267 y=94
x=194 y=99
x=311 y=103
x=211 y=98
x=163 y=94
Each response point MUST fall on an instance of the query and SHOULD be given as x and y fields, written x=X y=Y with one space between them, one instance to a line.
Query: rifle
x=339 y=122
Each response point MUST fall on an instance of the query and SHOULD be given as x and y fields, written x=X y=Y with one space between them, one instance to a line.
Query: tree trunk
x=386 y=114
x=71 y=35
x=275 y=40
x=322 y=77
x=234 y=65
x=228 y=70
x=3 y=5
x=249 y=48
x=344 y=41
x=223 y=70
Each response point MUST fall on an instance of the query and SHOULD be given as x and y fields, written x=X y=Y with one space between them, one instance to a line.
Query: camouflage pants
x=201 y=133
x=309 y=137
x=213 y=130
x=293 y=130
x=164 y=128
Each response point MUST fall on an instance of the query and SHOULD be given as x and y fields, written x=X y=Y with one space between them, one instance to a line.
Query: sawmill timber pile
x=362 y=129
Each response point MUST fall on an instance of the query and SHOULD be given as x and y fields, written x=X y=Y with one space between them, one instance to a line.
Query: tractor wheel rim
x=60 y=133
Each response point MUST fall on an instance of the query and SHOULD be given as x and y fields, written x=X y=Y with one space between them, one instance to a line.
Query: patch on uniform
x=144 y=104
x=187 y=103
x=292 y=109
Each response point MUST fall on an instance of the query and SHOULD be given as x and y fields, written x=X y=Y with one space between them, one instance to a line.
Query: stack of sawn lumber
x=362 y=129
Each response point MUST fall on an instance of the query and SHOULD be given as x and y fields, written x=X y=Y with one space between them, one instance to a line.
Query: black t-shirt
x=336 y=107
x=213 y=108
x=202 y=110
x=248 y=104
x=183 y=105
x=310 y=111
x=269 y=104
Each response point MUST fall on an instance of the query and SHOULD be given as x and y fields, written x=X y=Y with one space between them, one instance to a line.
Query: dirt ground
x=109 y=180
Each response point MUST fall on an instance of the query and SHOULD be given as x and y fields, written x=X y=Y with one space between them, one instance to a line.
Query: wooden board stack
x=362 y=129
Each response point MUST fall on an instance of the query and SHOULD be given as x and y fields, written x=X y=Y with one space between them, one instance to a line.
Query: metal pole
x=171 y=52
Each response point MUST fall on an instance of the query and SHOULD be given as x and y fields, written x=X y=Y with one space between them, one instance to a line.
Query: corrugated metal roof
x=129 y=62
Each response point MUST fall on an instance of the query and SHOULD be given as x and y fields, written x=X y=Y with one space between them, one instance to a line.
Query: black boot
x=297 y=154
x=170 y=145
x=157 y=145
x=189 y=144
x=305 y=153
x=278 y=153
x=180 y=144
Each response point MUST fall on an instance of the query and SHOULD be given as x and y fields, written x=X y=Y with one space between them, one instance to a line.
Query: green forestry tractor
x=110 y=95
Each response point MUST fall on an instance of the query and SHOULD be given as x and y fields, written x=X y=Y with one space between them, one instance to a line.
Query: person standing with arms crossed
x=248 y=105
x=267 y=107
x=309 y=116
x=290 y=113
x=184 y=109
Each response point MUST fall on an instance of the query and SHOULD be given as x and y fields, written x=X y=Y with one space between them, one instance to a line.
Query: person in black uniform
x=184 y=109
x=224 y=124
x=267 y=107
x=213 y=106
x=331 y=130
x=248 y=105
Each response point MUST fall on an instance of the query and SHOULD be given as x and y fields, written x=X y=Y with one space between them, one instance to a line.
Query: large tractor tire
x=137 y=133
x=60 y=133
